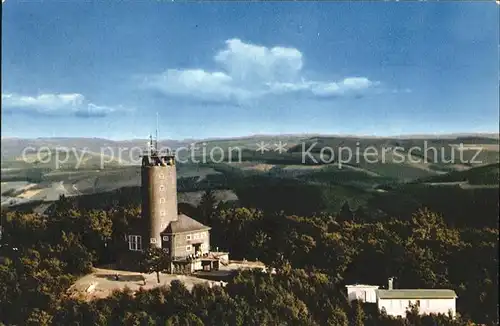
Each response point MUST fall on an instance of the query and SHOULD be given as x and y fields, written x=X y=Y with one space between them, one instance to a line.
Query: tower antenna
x=157 y=130
x=150 y=145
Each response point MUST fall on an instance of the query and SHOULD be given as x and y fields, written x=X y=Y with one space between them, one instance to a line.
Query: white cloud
x=92 y=110
x=43 y=102
x=249 y=62
x=251 y=71
x=357 y=83
x=205 y=85
x=56 y=104
x=346 y=86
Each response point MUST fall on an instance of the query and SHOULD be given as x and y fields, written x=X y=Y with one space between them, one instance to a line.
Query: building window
x=162 y=188
x=196 y=236
x=135 y=242
x=418 y=303
x=165 y=238
x=188 y=248
x=166 y=250
x=188 y=237
x=152 y=240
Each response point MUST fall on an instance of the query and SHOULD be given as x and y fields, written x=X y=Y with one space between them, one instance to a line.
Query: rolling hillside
x=283 y=181
x=482 y=175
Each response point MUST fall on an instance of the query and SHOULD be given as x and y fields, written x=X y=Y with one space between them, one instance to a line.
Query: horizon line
x=494 y=135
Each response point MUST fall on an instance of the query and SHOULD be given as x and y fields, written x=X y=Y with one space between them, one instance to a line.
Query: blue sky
x=220 y=70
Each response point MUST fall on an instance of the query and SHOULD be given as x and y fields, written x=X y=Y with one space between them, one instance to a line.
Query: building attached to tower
x=185 y=240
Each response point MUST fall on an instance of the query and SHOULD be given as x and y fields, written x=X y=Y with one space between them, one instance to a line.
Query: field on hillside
x=43 y=184
x=62 y=159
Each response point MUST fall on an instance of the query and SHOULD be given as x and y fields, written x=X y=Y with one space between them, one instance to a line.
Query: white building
x=365 y=293
x=428 y=301
x=397 y=302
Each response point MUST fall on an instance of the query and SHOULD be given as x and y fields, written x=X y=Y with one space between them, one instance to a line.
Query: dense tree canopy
x=315 y=256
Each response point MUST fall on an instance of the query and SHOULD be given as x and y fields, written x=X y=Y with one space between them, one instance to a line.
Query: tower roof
x=185 y=223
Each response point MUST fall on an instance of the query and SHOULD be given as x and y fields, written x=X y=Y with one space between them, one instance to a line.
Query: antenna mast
x=150 y=147
x=157 y=128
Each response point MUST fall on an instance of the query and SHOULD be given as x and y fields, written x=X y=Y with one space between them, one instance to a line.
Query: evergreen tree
x=338 y=318
x=345 y=213
x=358 y=318
x=206 y=208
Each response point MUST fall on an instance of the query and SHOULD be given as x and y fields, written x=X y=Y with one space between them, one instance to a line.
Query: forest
x=315 y=255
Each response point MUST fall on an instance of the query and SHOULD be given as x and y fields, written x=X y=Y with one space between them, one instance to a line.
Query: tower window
x=162 y=188
x=135 y=242
x=188 y=248
x=165 y=238
x=161 y=176
x=152 y=240
x=162 y=200
x=163 y=213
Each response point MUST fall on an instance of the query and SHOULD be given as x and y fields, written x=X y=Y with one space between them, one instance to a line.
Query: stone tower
x=159 y=193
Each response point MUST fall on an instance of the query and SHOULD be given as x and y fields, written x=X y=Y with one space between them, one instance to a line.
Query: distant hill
x=12 y=147
x=439 y=154
x=481 y=175
x=289 y=180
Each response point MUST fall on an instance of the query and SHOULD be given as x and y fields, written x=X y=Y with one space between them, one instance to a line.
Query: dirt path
x=101 y=282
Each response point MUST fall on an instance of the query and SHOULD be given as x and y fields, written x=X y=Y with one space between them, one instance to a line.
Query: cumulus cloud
x=252 y=63
x=348 y=85
x=249 y=71
x=204 y=85
x=54 y=104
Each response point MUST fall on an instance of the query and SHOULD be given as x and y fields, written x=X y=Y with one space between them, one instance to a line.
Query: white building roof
x=362 y=286
x=416 y=294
